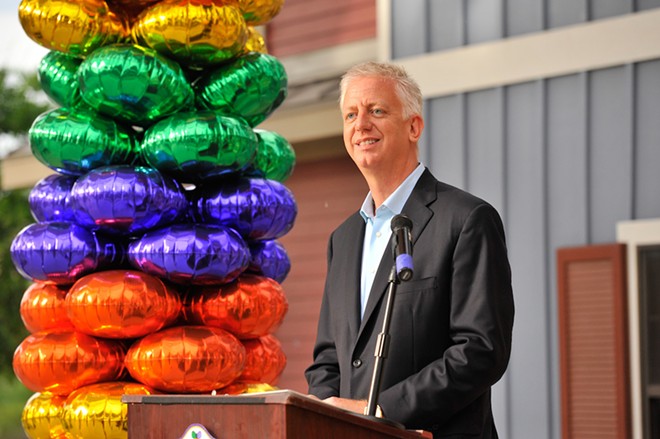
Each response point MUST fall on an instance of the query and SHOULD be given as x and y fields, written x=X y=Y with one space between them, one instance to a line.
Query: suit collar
x=416 y=208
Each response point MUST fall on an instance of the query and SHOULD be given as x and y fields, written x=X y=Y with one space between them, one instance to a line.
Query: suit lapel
x=353 y=239
x=416 y=209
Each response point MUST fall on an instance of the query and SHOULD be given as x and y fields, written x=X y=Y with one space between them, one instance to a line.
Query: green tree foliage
x=18 y=107
x=15 y=215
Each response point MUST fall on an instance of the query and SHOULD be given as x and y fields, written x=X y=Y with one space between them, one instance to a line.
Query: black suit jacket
x=451 y=323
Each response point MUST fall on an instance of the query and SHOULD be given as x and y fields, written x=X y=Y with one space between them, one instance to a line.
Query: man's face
x=376 y=135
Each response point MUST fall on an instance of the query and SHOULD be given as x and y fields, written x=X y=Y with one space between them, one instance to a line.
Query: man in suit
x=450 y=333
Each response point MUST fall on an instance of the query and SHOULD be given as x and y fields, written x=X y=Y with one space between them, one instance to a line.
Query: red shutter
x=593 y=342
x=326 y=193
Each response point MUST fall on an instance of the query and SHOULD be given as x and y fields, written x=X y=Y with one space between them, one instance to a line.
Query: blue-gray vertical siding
x=563 y=159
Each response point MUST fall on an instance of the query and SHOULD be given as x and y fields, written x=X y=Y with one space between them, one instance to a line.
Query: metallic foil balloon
x=251 y=307
x=73 y=142
x=191 y=254
x=121 y=304
x=241 y=387
x=60 y=361
x=127 y=200
x=133 y=84
x=61 y=252
x=186 y=359
x=50 y=198
x=129 y=9
x=42 y=416
x=77 y=27
x=258 y=12
x=198 y=146
x=251 y=88
x=96 y=411
x=264 y=360
x=58 y=75
x=42 y=307
x=255 y=42
x=196 y=33
x=269 y=258
x=275 y=157
x=255 y=207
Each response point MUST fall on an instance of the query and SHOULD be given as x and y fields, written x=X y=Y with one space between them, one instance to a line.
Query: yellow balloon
x=96 y=411
x=42 y=416
x=258 y=12
x=255 y=42
x=195 y=33
x=76 y=27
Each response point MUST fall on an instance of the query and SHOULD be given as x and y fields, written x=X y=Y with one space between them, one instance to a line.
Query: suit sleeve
x=323 y=375
x=480 y=320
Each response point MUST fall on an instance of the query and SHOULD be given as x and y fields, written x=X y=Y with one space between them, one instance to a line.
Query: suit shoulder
x=350 y=224
x=456 y=198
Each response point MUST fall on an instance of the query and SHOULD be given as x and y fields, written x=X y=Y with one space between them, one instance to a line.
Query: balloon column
x=154 y=255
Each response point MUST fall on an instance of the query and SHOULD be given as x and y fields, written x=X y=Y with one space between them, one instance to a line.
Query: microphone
x=401 y=229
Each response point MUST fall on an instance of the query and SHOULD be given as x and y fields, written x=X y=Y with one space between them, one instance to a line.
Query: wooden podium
x=269 y=415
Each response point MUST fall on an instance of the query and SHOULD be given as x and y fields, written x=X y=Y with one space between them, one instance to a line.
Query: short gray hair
x=406 y=87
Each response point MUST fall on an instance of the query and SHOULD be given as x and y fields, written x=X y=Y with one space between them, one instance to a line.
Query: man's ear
x=416 y=127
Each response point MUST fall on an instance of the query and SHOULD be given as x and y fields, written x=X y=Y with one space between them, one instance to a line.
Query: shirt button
x=378 y=234
x=357 y=362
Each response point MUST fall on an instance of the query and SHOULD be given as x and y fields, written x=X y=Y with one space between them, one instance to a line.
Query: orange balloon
x=60 y=361
x=76 y=27
x=186 y=359
x=250 y=307
x=96 y=411
x=130 y=9
x=42 y=307
x=42 y=416
x=258 y=12
x=121 y=304
x=195 y=33
x=264 y=360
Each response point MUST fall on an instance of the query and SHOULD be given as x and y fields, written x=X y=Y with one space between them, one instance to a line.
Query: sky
x=17 y=50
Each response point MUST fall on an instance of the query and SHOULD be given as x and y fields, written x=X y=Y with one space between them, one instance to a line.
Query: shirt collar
x=395 y=202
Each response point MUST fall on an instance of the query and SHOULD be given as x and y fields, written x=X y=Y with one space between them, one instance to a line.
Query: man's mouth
x=366 y=142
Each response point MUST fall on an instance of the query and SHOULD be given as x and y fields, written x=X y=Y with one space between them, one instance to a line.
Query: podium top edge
x=273 y=397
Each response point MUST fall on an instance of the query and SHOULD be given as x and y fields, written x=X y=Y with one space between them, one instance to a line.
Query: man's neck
x=382 y=186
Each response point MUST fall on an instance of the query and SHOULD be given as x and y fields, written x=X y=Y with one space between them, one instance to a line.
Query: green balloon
x=275 y=157
x=58 y=75
x=250 y=88
x=134 y=84
x=73 y=142
x=195 y=146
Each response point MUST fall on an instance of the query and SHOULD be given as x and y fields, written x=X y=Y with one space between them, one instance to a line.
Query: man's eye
x=350 y=116
x=377 y=111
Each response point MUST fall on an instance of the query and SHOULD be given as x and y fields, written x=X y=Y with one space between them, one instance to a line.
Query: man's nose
x=363 y=121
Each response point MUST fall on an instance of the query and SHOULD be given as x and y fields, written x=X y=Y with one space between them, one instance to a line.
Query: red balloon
x=42 y=307
x=60 y=361
x=186 y=359
x=250 y=307
x=264 y=360
x=121 y=304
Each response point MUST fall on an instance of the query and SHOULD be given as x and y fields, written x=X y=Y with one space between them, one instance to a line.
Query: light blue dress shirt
x=378 y=232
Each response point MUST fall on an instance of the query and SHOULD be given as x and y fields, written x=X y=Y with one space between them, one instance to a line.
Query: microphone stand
x=382 y=346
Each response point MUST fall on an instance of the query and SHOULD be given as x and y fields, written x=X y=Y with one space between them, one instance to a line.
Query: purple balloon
x=270 y=259
x=259 y=209
x=50 y=198
x=197 y=254
x=61 y=252
x=127 y=200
